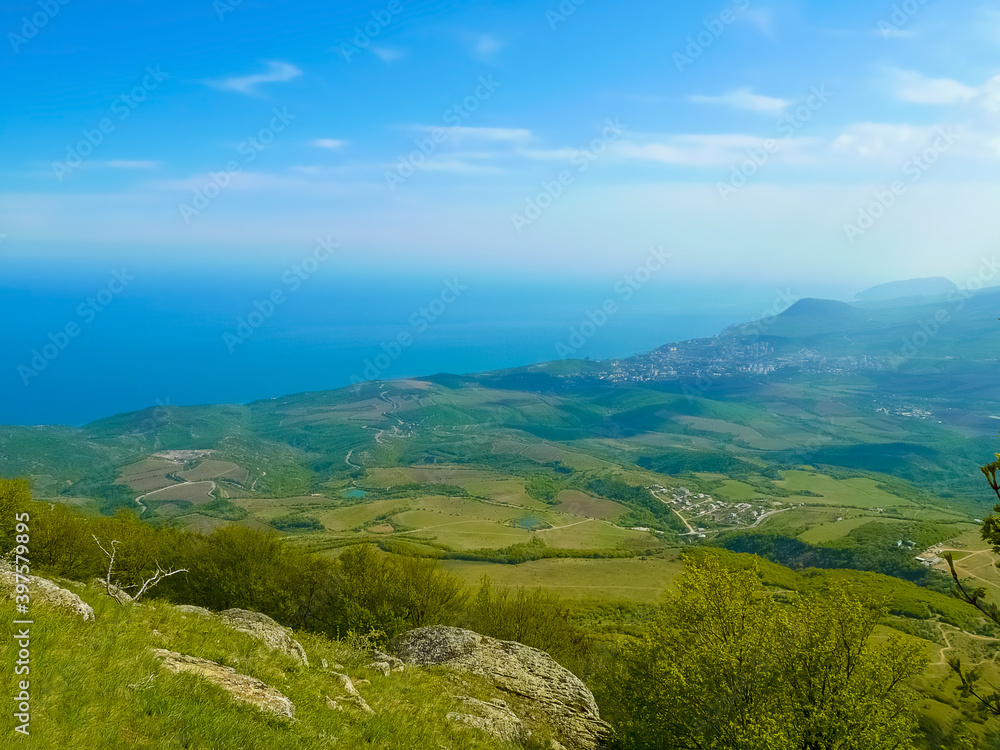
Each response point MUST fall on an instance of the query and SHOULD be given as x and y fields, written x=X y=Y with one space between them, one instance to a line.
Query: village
x=703 y=514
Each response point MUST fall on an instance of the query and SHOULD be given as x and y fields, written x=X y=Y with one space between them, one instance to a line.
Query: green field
x=633 y=580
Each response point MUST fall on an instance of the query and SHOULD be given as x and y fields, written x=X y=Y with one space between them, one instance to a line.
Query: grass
x=212 y=469
x=629 y=580
x=592 y=534
x=576 y=503
x=858 y=492
x=97 y=685
x=829 y=532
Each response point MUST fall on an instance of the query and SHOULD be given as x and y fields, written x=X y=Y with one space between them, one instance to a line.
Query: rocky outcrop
x=516 y=669
x=264 y=629
x=240 y=686
x=45 y=591
x=385 y=663
x=190 y=609
x=352 y=695
x=121 y=595
x=494 y=718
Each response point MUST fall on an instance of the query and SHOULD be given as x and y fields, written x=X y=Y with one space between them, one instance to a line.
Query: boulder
x=266 y=630
x=190 y=609
x=45 y=591
x=385 y=663
x=494 y=718
x=517 y=669
x=240 y=686
x=121 y=595
x=353 y=696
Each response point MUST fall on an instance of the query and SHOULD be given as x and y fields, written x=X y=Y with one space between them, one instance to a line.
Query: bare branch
x=158 y=576
x=115 y=591
x=109 y=587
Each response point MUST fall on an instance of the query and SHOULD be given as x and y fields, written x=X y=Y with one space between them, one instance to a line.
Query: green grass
x=631 y=580
x=858 y=492
x=97 y=686
x=829 y=532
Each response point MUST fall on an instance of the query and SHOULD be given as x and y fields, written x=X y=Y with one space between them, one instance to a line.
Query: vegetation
x=360 y=591
x=725 y=665
x=98 y=685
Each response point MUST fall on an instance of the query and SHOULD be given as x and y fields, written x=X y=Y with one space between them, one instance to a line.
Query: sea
x=79 y=343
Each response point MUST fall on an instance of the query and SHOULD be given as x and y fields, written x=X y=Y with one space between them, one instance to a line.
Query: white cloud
x=886 y=141
x=277 y=72
x=130 y=164
x=386 y=54
x=487 y=134
x=696 y=150
x=743 y=98
x=762 y=19
x=457 y=166
x=487 y=46
x=889 y=32
x=914 y=87
x=330 y=143
x=548 y=154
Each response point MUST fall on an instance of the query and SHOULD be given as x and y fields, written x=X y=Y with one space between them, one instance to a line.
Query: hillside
x=159 y=675
x=895 y=290
x=818 y=414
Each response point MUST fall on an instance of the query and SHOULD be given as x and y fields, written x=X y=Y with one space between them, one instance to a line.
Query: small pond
x=531 y=523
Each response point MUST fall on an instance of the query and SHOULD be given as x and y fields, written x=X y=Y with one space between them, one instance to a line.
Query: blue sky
x=850 y=142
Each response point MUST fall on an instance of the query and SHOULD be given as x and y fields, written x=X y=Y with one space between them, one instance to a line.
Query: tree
x=725 y=666
x=987 y=698
x=117 y=591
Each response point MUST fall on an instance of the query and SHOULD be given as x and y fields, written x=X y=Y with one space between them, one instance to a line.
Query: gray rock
x=190 y=609
x=353 y=696
x=240 y=686
x=494 y=718
x=45 y=591
x=120 y=594
x=385 y=663
x=266 y=630
x=381 y=666
x=516 y=669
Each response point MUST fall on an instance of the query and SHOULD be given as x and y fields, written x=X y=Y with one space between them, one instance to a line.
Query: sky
x=795 y=141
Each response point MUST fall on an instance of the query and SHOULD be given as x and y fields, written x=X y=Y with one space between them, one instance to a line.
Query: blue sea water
x=78 y=344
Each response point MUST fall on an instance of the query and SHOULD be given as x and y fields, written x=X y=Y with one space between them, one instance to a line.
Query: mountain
x=933 y=286
x=905 y=394
x=835 y=437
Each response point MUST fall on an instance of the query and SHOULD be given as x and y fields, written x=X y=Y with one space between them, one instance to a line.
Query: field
x=634 y=580
x=147 y=475
x=576 y=503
